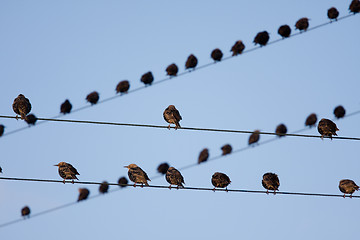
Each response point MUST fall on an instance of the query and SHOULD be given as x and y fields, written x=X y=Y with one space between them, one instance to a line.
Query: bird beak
x=56 y=165
x=126 y=166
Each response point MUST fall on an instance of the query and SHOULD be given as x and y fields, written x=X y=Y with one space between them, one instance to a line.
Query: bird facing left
x=67 y=171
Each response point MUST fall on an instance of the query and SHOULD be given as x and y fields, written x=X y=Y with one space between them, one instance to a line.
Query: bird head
x=60 y=164
x=131 y=166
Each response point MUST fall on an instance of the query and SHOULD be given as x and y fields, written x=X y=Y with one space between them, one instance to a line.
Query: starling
x=147 y=78
x=226 y=149
x=21 y=106
x=122 y=86
x=262 y=38
x=327 y=127
x=217 y=55
x=270 y=182
x=174 y=177
x=162 y=168
x=203 y=156
x=137 y=175
x=284 y=31
x=0 y=170
x=238 y=48
x=123 y=182
x=348 y=186
x=31 y=119
x=104 y=187
x=67 y=171
x=93 y=97
x=25 y=212
x=254 y=137
x=339 y=112
x=333 y=13
x=220 y=180
x=311 y=120
x=172 y=115
x=2 y=128
x=302 y=24
x=83 y=194
x=65 y=107
x=281 y=129
x=172 y=70
x=191 y=62
x=354 y=6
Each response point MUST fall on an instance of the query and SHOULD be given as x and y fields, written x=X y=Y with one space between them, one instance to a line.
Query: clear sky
x=57 y=50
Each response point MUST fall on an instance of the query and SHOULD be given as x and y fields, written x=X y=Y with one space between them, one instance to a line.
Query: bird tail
x=146 y=183
x=177 y=125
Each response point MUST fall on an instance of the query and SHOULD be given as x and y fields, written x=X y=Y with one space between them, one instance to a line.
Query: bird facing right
x=174 y=177
x=21 y=106
x=172 y=116
x=137 y=175
x=270 y=181
x=328 y=128
x=220 y=180
x=348 y=186
x=67 y=171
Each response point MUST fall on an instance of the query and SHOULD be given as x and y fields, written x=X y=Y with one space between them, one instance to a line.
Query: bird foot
x=64 y=181
x=72 y=181
x=135 y=185
x=214 y=190
x=344 y=196
x=168 y=127
x=274 y=192
x=170 y=187
x=350 y=195
x=267 y=192
x=17 y=117
x=177 y=188
x=226 y=190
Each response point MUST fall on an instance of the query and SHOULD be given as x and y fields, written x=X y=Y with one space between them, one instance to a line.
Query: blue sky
x=57 y=50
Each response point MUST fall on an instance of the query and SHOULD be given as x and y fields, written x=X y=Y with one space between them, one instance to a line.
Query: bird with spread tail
x=328 y=128
x=67 y=171
x=220 y=180
x=21 y=106
x=270 y=181
x=137 y=175
x=348 y=186
x=174 y=177
x=172 y=116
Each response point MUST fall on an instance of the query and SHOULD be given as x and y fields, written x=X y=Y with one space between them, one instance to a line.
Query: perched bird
x=326 y=127
x=311 y=120
x=339 y=112
x=354 y=6
x=25 y=212
x=333 y=13
x=123 y=86
x=262 y=38
x=172 y=70
x=281 y=129
x=254 y=137
x=172 y=115
x=162 y=168
x=123 y=182
x=284 y=31
x=174 y=177
x=93 y=97
x=348 y=186
x=21 y=106
x=83 y=194
x=104 y=187
x=137 y=175
x=31 y=119
x=226 y=149
x=238 y=48
x=203 y=156
x=147 y=78
x=2 y=129
x=220 y=180
x=65 y=107
x=217 y=55
x=0 y=170
x=67 y=171
x=270 y=181
x=191 y=62
x=302 y=24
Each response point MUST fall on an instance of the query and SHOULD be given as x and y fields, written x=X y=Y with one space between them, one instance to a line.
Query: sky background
x=57 y=50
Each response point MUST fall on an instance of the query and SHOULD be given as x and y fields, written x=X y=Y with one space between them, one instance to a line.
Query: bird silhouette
x=83 y=194
x=280 y=130
x=122 y=87
x=25 y=212
x=2 y=129
x=217 y=55
x=354 y=6
x=262 y=38
x=254 y=137
x=147 y=78
x=226 y=149
x=311 y=120
x=302 y=24
x=104 y=187
x=172 y=70
x=191 y=62
x=284 y=31
x=93 y=97
x=203 y=156
x=31 y=119
x=163 y=167
x=339 y=112
x=65 y=107
x=332 y=14
x=123 y=182
x=237 y=48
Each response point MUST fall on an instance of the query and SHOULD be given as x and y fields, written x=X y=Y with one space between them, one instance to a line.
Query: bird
x=339 y=112
x=254 y=137
x=226 y=149
x=280 y=130
x=104 y=187
x=348 y=186
x=123 y=182
x=270 y=181
x=2 y=129
x=172 y=70
x=163 y=167
x=262 y=38
x=284 y=31
x=172 y=116
x=67 y=171
x=174 y=177
x=65 y=107
x=311 y=120
x=332 y=13
x=31 y=119
x=83 y=194
x=354 y=6
x=1 y=170
x=21 y=106
x=217 y=55
x=203 y=156
x=93 y=97
x=326 y=127
x=137 y=175
x=220 y=180
x=302 y=24
x=191 y=62
x=122 y=87
x=237 y=48
x=147 y=78
x=25 y=212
